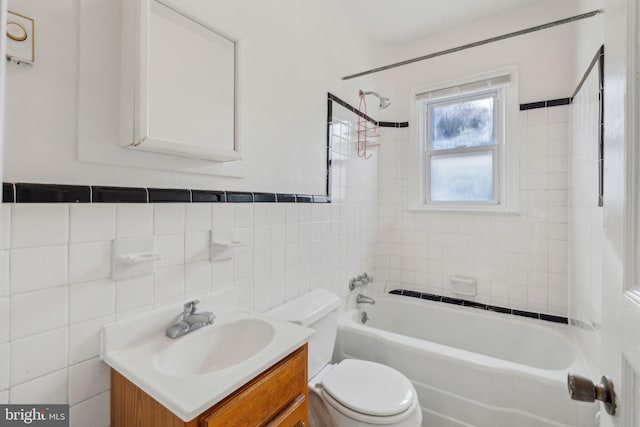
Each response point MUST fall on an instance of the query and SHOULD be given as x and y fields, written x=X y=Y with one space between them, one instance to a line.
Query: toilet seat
x=330 y=402
x=367 y=388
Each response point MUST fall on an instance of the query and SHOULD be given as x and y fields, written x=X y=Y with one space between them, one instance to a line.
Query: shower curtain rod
x=478 y=43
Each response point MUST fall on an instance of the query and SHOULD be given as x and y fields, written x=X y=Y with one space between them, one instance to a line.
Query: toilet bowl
x=351 y=393
x=361 y=393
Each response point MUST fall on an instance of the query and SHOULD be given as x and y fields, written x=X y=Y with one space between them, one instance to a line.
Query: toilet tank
x=318 y=310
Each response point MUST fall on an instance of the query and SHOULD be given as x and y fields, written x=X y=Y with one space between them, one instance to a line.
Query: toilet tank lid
x=308 y=308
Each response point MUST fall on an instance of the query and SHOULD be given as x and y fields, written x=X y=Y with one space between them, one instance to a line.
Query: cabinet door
x=294 y=415
x=257 y=403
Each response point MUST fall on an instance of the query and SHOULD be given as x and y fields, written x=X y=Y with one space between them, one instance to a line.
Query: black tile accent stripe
x=474 y=304
x=238 y=197
x=286 y=198
x=393 y=124
x=264 y=197
x=454 y=301
x=525 y=314
x=430 y=297
x=532 y=105
x=556 y=319
x=56 y=193
x=8 y=193
x=499 y=309
x=52 y=193
x=556 y=102
x=413 y=294
x=479 y=306
x=545 y=104
x=304 y=198
x=101 y=194
x=204 y=196
x=164 y=195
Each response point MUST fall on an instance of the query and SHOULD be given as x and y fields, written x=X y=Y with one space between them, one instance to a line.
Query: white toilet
x=352 y=393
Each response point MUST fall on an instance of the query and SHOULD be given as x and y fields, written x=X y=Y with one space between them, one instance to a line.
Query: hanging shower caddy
x=367 y=131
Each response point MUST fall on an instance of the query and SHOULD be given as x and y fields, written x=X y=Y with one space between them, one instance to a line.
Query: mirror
x=184 y=86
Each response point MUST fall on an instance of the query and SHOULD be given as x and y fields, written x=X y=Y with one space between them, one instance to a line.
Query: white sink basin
x=215 y=347
x=191 y=373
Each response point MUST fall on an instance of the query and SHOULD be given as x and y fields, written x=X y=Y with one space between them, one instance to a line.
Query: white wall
x=290 y=55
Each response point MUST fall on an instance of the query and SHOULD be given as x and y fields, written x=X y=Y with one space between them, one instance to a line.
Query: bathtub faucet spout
x=363 y=299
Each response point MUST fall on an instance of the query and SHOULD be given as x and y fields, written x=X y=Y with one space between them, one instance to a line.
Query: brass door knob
x=582 y=389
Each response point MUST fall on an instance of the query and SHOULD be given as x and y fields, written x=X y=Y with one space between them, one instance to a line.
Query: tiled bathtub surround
x=56 y=288
x=586 y=226
x=520 y=260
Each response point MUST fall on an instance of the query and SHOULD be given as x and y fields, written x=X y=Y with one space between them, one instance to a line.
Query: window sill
x=461 y=209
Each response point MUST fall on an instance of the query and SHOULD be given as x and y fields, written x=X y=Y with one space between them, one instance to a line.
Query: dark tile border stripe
x=264 y=197
x=545 y=104
x=239 y=197
x=304 y=198
x=119 y=195
x=286 y=198
x=51 y=193
x=480 y=306
x=168 y=195
x=55 y=193
x=8 y=193
x=204 y=196
x=393 y=124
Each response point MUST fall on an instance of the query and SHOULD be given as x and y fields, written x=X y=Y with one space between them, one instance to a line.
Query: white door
x=621 y=261
x=3 y=50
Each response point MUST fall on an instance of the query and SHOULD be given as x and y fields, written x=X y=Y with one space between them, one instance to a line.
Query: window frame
x=426 y=112
x=505 y=147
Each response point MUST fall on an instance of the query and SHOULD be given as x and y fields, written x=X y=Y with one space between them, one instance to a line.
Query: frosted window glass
x=463 y=124
x=462 y=177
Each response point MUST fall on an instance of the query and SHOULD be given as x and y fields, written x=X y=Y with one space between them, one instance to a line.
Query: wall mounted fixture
x=384 y=102
x=368 y=132
x=21 y=45
x=134 y=257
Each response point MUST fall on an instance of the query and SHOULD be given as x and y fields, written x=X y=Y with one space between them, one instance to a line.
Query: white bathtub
x=471 y=367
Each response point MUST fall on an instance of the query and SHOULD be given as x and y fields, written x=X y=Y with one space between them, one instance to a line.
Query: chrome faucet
x=189 y=320
x=363 y=299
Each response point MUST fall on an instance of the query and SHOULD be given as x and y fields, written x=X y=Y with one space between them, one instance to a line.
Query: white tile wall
x=586 y=225
x=39 y=225
x=38 y=268
x=50 y=388
x=56 y=290
x=51 y=312
x=91 y=223
x=29 y=360
x=519 y=260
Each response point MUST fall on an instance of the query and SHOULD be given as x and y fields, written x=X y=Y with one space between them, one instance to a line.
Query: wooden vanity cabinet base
x=278 y=397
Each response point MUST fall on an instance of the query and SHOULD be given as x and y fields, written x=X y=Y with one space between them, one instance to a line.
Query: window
x=464 y=146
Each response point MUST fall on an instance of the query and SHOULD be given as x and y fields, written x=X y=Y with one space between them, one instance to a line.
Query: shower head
x=384 y=102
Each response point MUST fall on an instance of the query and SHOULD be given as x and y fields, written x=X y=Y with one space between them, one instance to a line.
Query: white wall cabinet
x=179 y=84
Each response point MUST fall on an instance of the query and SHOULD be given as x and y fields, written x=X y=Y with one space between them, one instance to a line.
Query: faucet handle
x=356 y=283
x=190 y=307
